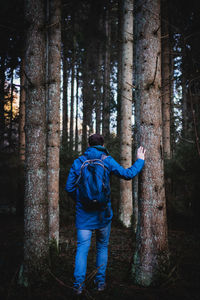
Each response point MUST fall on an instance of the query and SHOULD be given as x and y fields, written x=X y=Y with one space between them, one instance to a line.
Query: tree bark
x=36 y=211
x=86 y=103
x=53 y=117
x=71 y=145
x=106 y=93
x=119 y=71
x=151 y=253
x=99 y=84
x=166 y=84
x=126 y=208
x=65 y=118
x=22 y=114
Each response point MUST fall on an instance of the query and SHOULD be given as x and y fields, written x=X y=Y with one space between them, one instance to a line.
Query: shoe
x=101 y=286
x=78 y=290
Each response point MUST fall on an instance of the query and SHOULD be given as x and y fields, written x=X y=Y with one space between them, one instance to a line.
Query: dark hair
x=96 y=139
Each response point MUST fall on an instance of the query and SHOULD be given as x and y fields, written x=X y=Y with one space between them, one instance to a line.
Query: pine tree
x=53 y=117
x=98 y=84
x=106 y=92
x=151 y=253
x=71 y=145
x=65 y=134
x=126 y=208
x=119 y=69
x=36 y=211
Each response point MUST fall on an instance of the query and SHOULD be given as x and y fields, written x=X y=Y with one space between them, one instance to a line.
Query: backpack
x=93 y=187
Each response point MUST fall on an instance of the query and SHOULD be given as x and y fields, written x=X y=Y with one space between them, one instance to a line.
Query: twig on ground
x=60 y=281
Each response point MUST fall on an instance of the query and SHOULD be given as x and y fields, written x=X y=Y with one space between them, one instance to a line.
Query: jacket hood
x=95 y=152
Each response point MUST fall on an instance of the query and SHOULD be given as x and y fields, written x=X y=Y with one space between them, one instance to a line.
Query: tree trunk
x=184 y=95
x=86 y=103
x=11 y=109
x=119 y=71
x=53 y=118
x=22 y=114
x=99 y=84
x=166 y=84
x=106 y=93
x=77 y=117
x=36 y=212
x=2 y=100
x=65 y=118
x=126 y=208
x=151 y=253
x=71 y=145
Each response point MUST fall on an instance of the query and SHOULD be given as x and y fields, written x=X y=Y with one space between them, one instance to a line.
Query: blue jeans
x=83 y=245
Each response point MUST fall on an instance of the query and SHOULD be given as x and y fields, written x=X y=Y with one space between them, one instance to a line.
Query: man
x=97 y=220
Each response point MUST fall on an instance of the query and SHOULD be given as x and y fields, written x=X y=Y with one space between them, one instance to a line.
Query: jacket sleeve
x=70 y=186
x=128 y=173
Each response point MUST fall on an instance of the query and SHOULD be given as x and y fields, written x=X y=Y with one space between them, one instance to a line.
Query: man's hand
x=141 y=153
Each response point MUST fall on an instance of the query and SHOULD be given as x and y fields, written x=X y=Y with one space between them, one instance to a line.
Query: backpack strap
x=82 y=159
x=103 y=156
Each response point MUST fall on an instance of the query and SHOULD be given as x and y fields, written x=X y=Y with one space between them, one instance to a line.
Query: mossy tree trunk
x=126 y=207
x=36 y=207
x=53 y=117
x=151 y=253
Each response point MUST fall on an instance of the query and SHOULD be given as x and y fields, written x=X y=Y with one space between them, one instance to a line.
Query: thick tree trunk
x=22 y=114
x=53 y=118
x=106 y=93
x=151 y=253
x=36 y=211
x=166 y=84
x=126 y=207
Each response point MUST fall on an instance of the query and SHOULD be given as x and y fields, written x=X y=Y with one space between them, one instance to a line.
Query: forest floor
x=182 y=282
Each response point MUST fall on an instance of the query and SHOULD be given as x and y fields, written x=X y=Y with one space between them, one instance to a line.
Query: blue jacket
x=97 y=219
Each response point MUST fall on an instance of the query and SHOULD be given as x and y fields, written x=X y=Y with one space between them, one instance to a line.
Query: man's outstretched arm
x=131 y=172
